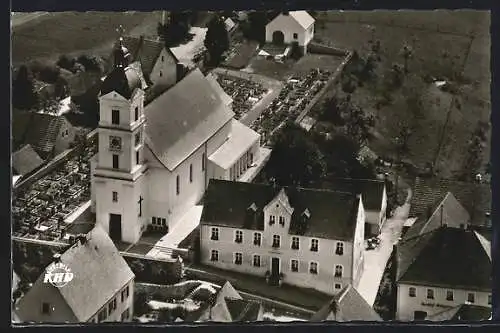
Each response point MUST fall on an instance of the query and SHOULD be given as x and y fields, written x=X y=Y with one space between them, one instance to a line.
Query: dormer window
x=115 y=143
x=272 y=219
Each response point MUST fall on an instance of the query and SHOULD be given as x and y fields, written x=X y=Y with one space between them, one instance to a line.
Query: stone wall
x=155 y=270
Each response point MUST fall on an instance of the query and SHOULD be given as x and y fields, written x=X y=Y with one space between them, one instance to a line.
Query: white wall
x=167 y=66
x=289 y=26
x=406 y=305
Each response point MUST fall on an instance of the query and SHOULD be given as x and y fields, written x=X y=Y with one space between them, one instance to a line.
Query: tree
x=90 y=63
x=49 y=73
x=295 y=159
x=401 y=141
x=23 y=90
x=177 y=28
x=216 y=39
x=255 y=27
x=66 y=62
x=358 y=124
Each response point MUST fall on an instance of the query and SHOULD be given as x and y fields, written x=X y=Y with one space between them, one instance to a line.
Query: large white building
x=307 y=238
x=154 y=160
x=291 y=27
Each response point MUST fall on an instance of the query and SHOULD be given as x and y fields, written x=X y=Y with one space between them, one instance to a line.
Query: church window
x=161 y=74
x=138 y=138
x=137 y=159
x=295 y=36
x=136 y=113
x=178 y=185
x=115 y=117
x=115 y=196
x=282 y=220
x=203 y=162
x=190 y=173
x=116 y=164
x=162 y=58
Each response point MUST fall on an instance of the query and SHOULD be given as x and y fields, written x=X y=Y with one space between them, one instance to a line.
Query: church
x=155 y=157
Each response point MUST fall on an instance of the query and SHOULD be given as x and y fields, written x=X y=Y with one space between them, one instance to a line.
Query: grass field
x=48 y=36
x=444 y=43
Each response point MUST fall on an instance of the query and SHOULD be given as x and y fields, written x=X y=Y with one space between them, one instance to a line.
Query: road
x=376 y=259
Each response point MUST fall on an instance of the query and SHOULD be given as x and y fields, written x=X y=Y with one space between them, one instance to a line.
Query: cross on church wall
x=140 y=205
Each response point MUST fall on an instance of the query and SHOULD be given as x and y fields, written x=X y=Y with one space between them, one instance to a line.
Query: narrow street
x=376 y=259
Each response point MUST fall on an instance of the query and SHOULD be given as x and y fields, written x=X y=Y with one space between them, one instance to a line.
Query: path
x=186 y=52
x=376 y=259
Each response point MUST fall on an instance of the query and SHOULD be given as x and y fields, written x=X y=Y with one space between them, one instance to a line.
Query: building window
x=115 y=117
x=190 y=173
x=256 y=260
x=313 y=267
x=238 y=238
x=137 y=139
x=257 y=238
x=338 y=271
x=177 y=185
x=112 y=306
x=338 y=286
x=215 y=234
x=45 y=308
x=471 y=298
x=295 y=243
x=282 y=221
x=238 y=258
x=203 y=162
x=162 y=58
x=124 y=294
x=314 y=245
x=272 y=219
x=161 y=74
x=489 y=299
x=295 y=35
x=159 y=221
x=115 y=196
x=340 y=249
x=430 y=294
x=276 y=241
x=449 y=295
x=116 y=161
x=294 y=265
x=136 y=113
x=103 y=314
x=214 y=255
x=412 y=292
x=125 y=315
x=137 y=158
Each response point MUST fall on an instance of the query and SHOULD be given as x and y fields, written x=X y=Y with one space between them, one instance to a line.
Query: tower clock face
x=115 y=142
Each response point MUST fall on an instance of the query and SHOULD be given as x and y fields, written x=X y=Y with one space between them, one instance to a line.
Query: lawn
x=48 y=36
x=442 y=48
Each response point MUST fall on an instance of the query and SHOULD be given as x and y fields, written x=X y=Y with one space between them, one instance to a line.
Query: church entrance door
x=115 y=227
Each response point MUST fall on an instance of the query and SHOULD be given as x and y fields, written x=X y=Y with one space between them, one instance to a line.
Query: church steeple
x=120 y=52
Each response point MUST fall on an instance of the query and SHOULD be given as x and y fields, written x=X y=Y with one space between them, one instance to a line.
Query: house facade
x=262 y=235
x=91 y=259
x=155 y=160
x=291 y=27
x=441 y=269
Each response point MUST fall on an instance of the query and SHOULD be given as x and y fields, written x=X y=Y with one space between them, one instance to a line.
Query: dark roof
x=371 y=190
x=347 y=305
x=445 y=257
x=466 y=312
x=124 y=81
x=447 y=211
x=25 y=160
x=36 y=129
x=243 y=310
x=476 y=198
x=183 y=118
x=332 y=214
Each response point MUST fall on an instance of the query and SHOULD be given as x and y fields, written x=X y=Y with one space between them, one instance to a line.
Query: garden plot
x=293 y=99
x=245 y=93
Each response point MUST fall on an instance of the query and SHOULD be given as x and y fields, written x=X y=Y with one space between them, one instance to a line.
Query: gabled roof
x=301 y=16
x=183 y=118
x=347 y=305
x=332 y=214
x=445 y=257
x=371 y=190
x=25 y=160
x=36 y=129
x=474 y=197
x=447 y=212
x=99 y=272
x=467 y=312
x=238 y=309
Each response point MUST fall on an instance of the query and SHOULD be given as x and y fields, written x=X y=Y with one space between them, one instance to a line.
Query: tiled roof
x=445 y=257
x=332 y=214
x=347 y=305
x=475 y=198
x=447 y=212
x=36 y=129
x=371 y=190
x=183 y=118
x=467 y=312
x=25 y=160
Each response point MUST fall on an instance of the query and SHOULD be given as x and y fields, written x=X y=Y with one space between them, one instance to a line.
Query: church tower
x=118 y=177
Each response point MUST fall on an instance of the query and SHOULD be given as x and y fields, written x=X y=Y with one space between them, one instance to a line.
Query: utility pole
x=443 y=131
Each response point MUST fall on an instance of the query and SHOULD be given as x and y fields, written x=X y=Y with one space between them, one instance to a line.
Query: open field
x=453 y=46
x=48 y=36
